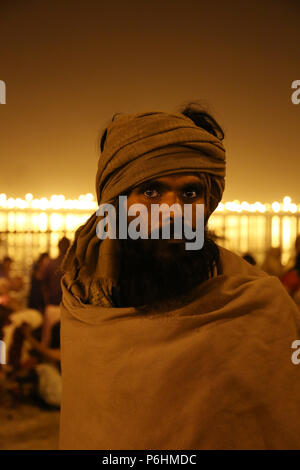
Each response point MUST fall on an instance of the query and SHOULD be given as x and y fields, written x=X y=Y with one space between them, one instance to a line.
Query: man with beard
x=164 y=348
x=166 y=268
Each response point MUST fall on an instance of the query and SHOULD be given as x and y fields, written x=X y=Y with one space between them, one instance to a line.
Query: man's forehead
x=174 y=177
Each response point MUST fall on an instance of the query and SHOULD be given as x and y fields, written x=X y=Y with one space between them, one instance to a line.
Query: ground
x=27 y=427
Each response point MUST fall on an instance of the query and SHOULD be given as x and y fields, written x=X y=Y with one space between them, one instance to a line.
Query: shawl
x=212 y=370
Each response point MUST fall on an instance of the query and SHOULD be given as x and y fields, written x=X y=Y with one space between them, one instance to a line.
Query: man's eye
x=191 y=194
x=151 y=193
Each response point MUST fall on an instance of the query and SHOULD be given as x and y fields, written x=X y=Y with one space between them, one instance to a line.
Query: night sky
x=70 y=65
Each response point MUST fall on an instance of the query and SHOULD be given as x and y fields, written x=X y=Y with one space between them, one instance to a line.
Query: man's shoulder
x=232 y=264
x=251 y=284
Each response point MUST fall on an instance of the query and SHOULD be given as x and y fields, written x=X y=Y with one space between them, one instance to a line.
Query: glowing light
x=56 y=222
x=244 y=228
x=20 y=221
x=293 y=208
x=276 y=206
x=286 y=233
x=220 y=207
x=245 y=206
x=86 y=202
x=11 y=222
x=43 y=222
x=275 y=231
x=54 y=203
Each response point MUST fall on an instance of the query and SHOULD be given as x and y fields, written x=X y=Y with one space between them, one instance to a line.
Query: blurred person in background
x=15 y=283
x=291 y=281
x=48 y=368
x=16 y=315
x=295 y=252
x=52 y=290
x=250 y=259
x=5 y=267
x=36 y=298
x=272 y=264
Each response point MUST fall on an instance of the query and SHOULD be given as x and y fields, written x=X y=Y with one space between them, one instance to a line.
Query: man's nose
x=171 y=198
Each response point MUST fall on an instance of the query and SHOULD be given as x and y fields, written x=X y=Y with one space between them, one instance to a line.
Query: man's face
x=179 y=188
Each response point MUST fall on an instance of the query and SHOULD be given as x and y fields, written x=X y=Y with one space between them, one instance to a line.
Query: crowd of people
x=31 y=335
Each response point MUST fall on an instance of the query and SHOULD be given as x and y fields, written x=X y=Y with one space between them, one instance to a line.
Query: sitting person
x=165 y=347
x=51 y=279
x=48 y=370
x=16 y=315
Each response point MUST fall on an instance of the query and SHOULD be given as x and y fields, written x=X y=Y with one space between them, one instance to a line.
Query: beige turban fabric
x=139 y=147
x=143 y=146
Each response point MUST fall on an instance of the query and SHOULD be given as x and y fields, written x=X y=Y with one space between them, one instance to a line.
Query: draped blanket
x=212 y=370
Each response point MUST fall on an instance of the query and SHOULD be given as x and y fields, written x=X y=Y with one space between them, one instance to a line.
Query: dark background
x=70 y=65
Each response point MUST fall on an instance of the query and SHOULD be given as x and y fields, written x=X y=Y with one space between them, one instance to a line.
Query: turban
x=142 y=146
x=139 y=147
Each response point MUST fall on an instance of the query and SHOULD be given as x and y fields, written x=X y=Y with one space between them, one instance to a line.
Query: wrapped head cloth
x=139 y=147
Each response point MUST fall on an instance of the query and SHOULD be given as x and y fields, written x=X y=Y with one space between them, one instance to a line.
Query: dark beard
x=147 y=278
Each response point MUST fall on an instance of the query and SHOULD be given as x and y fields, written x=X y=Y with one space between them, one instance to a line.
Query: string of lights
x=86 y=202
